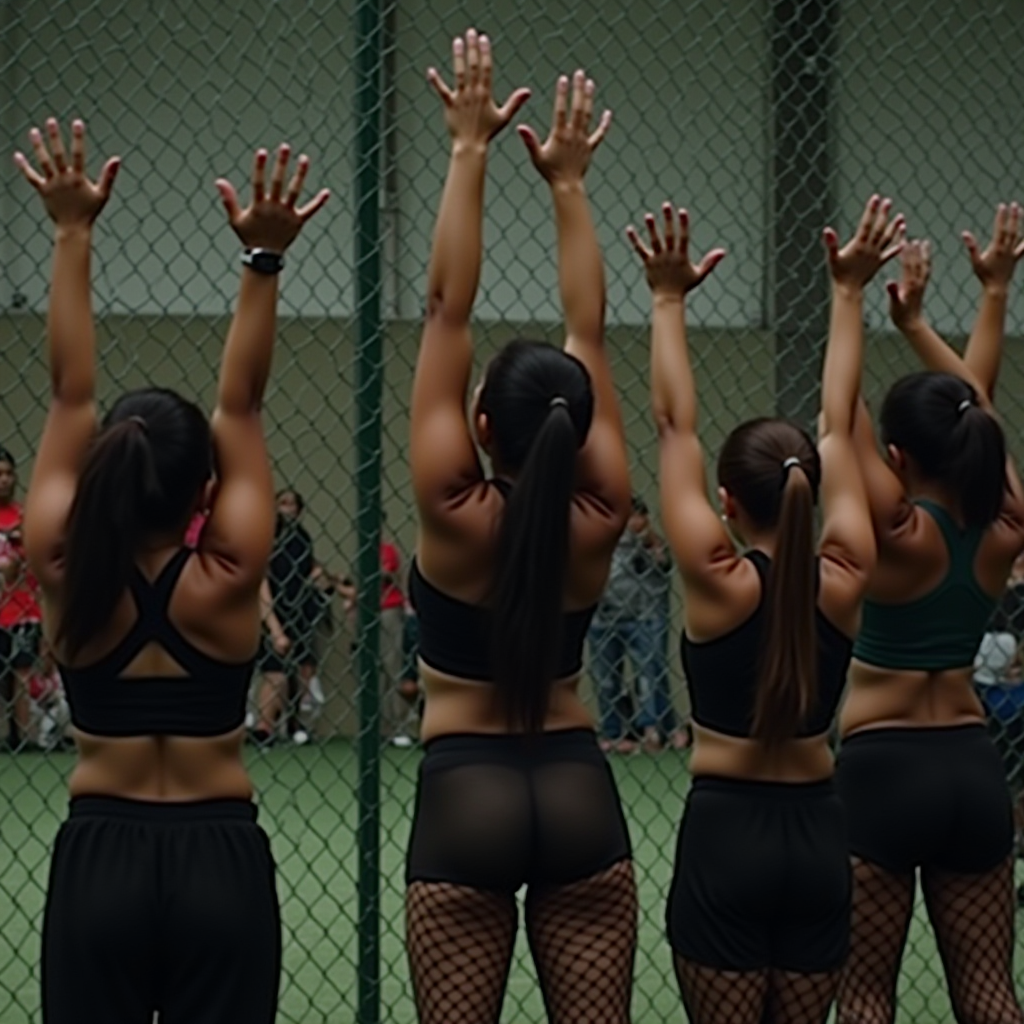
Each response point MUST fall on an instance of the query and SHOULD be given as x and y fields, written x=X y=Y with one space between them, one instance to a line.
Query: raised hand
x=995 y=265
x=906 y=296
x=70 y=198
x=667 y=262
x=877 y=240
x=272 y=220
x=565 y=155
x=470 y=112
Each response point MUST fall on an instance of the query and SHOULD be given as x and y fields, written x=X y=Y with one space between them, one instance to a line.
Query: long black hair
x=772 y=468
x=143 y=475
x=935 y=418
x=539 y=405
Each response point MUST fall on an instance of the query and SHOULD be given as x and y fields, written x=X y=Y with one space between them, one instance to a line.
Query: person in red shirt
x=395 y=709
x=20 y=615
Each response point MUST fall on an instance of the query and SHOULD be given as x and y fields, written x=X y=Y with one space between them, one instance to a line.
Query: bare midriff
x=161 y=768
x=736 y=757
x=453 y=705
x=881 y=698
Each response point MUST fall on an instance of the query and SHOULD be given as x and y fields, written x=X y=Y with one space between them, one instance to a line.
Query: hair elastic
x=964 y=406
x=558 y=400
x=139 y=422
x=787 y=465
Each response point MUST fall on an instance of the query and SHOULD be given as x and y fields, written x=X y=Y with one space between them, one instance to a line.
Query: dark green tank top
x=942 y=629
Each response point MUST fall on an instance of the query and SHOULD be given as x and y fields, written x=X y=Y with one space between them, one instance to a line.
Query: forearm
x=580 y=266
x=72 y=336
x=844 y=356
x=248 y=353
x=454 y=272
x=985 y=346
x=936 y=355
x=673 y=392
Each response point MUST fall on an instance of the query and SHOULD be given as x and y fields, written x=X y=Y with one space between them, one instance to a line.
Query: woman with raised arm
x=161 y=896
x=922 y=783
x=759 y=907
x=513 y=788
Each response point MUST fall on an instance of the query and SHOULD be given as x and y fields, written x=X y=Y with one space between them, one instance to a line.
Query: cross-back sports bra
x=208 y=701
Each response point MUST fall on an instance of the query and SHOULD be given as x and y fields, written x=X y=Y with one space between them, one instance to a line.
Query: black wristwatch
x=263 y=261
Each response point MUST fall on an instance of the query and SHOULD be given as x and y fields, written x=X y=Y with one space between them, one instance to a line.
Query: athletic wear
x=926 y=797
x=499 y=811
x=209 y=701
x=762 y=877
x=455 y=637
x=168 y=908
x=941 y=630
x=722 y=674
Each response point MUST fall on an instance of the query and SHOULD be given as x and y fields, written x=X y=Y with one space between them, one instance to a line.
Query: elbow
x=444 y=309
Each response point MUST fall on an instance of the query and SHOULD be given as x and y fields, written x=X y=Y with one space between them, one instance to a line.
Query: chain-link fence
x=768 y=118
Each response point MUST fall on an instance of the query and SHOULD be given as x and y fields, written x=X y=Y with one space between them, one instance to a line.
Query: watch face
x=265 y=262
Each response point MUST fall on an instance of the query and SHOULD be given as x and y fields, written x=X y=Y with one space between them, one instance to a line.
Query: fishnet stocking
x=800 y=998
x=721 y=997
x=754 y=997
x=882 y=905
x=973 y=917
x=459 y=942
x=583 y=939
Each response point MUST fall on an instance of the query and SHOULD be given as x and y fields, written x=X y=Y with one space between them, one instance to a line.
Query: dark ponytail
x=533 y=560
x=539 y=405
x=788 y=685
x=772 y=468
x=142 y=476
x=104 y=530
x=935 y=419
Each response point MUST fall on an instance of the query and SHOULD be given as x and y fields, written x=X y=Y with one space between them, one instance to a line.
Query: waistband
x=160 y=812
x=512 y=744
x=759 y=790
x=937 y=734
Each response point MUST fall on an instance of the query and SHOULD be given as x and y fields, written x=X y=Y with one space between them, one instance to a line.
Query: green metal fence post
x=368 y=472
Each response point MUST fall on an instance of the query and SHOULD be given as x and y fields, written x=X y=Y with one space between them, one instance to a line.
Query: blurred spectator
x=294 y=598
x=999 y=680
x=50 y=712
x=633 y=619
x=20 y=616
x=394 y=710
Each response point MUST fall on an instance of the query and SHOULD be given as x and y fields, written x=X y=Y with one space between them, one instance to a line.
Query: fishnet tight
x=582 y=936
x=973 y=918
x=754 y=997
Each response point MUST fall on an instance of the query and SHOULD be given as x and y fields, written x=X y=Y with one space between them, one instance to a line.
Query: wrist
x=995 y=290
x=72 y=232
x=567 y=187
x=469 y=149
x=669 y=297
x=848 y=290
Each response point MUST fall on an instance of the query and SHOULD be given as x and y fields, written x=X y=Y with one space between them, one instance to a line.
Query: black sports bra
x=455 y=637
x=209 y=701
x=722 y=674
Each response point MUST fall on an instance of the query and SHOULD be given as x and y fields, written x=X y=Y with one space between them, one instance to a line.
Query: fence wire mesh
x=768 y=118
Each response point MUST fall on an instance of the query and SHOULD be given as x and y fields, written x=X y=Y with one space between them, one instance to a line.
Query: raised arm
x=701 y=544
x=906 y=307
x=562 y=160
x=994 y=267
x=240 y=529
x=847 y=538
x=73 y=203
x=442 y=454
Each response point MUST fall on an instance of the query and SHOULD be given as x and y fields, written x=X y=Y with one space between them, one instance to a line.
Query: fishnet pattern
x=754 y=997
x=460 y=943
x=973 y=918
x=583 y=939
x=882 y=905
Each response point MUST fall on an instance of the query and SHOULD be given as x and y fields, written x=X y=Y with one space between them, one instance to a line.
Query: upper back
x=723 y=673
x=154 y=680
x=942 y=628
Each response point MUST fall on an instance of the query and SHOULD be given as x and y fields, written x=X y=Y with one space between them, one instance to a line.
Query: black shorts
x=301 y=652
x=498 y=812
x=933 y=798
x=168 y=908
x=762 y=877
x=19 y=646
